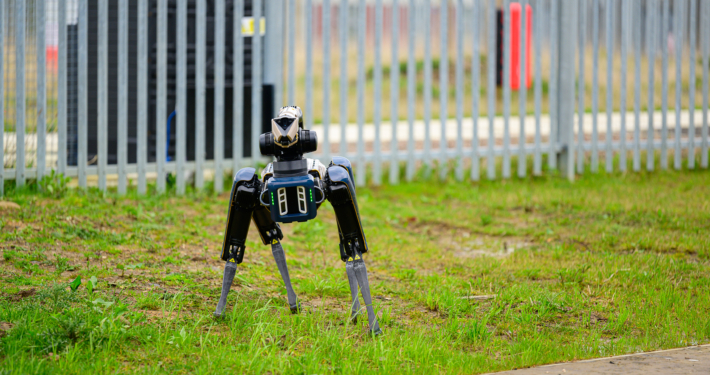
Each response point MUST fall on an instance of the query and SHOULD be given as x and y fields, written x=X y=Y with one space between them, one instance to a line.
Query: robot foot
x=360 y=272
x=295 y=308
x=230 y=269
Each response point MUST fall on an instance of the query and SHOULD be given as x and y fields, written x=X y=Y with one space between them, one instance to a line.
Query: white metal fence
x=394 y=85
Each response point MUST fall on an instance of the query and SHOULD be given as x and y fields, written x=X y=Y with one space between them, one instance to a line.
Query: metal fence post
x=61 y=90
x=102 y=105
x=219 y=21
x=181 y=97
x=19 y=92
x=2 y=100
x=122 y=95
x=161 y=126
x=41 y=90
x=566 y=79
x=256 y=82
x=142 y=146
x=238 y=87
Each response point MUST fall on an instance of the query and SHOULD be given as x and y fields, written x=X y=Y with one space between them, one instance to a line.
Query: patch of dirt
x=5 y=327
x=23 y=294
x=6 y=205
x=490 y=246
x=160 y=315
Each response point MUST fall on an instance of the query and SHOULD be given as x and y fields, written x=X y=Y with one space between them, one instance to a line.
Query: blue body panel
x=292 y=183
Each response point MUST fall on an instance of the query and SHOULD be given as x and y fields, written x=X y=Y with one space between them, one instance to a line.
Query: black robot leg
x=271 y=234
x=280 y=257
x=243 y=200
x=352 y=280
x=341 y=194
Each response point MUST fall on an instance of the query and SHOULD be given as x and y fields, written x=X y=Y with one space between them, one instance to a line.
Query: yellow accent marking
x=274 y=242
x=357 y=257
x=232 y=260
x=350 y=259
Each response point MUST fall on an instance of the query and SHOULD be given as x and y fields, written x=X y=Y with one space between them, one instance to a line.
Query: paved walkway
x=691 y=360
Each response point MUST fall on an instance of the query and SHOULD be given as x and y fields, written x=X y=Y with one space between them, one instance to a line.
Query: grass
x=610 y=264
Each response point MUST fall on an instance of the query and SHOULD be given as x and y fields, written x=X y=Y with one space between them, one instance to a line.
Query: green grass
x=610 y=264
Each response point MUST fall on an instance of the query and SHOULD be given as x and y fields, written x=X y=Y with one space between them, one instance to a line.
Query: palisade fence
x=119 y=92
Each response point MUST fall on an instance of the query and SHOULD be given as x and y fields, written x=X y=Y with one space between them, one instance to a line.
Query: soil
x=690 y=360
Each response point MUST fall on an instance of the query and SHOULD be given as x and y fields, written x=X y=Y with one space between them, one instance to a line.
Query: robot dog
x=292 y=189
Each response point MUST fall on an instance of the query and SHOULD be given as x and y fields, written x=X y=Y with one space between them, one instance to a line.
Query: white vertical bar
x=664 y=89
x=678 y=33
x=523 y=88
x=19 y=92
x=625 y=27
x=102 y=105
x=491 y=90
x=691 y=90
x=83 y=94
x=123 y=94
x=705 y=11
x=651 y=44
x=568 y=39
x=608 y=153
x=459 y=13
x=361 y=25
x=326 y=79
x=594 y=165
x=394 y=93
x=142 y=138
x=537 y=21
x=309 y=66
x=476 y=88
x=219 y=93
x=200 y=52
x=506 y=87
x=181 y=96
x=343 y=29
x=291 y=49
x=638 y=27
x=443 y=85
x=162 y=92
x=427 y=86
x=62 y=88
x=554 y=123
x=41 y=90
x=580 y=87
x=238 y=86
x=2 y=98
x=256 y=83
x=411 y=87
x=377 y=165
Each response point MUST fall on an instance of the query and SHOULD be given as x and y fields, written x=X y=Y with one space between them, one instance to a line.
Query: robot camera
x=287 y=139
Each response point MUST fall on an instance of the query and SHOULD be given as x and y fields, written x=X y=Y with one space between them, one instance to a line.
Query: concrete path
x=691 y=360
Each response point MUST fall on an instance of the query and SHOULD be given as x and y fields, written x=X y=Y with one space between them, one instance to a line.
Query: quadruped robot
x=290 y=189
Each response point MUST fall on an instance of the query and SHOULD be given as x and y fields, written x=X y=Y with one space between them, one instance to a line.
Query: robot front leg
x=242 y=203
x=280 y=257
x=352 y=280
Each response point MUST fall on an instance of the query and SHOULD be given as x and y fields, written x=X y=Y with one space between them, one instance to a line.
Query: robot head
x=287 y=139
x=285 y=127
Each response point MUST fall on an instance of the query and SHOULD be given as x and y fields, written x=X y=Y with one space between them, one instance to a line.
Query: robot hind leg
x=242 y=204
x=341 y=194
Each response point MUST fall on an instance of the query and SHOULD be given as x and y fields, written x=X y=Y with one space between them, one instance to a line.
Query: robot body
x=291 y=189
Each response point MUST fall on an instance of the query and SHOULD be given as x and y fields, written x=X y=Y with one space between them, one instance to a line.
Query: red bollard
x=515 y=46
